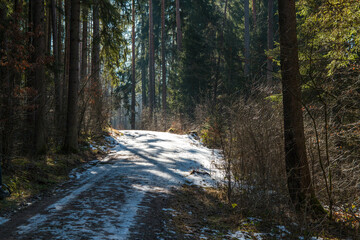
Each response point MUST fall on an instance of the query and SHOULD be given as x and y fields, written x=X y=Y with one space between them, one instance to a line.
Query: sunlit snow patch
x=240 y=235
x=148 y=161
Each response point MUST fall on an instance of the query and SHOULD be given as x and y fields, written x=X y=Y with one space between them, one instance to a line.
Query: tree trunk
x=56 y=65
x=221 y=48
x=39 y=75
x=178 y=26
x=143 y=75
x=71 y=137
x=163 y=63
x=61 y=61
x=47 y=27
x=67 y=55
x=247 y=39
x=151 y=60
x=28 y=136
x=144 y=63
x=83 y=68
x=84 y=49
x=95 y=71
x=133 y=83
x=5 y=95
x=270 y=39
x=298 y=174
x=254 y=12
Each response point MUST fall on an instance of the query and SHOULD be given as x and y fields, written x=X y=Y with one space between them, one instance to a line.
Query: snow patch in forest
x=240 y=235
x=3 y=220
x=283 y=229
x=141 y=162
x=282 y=233
x=35 y=221
x=313 y=238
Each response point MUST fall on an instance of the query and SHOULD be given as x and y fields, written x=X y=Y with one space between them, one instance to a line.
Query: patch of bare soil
x=189 y=212
x=198 y=213
x=153 y=222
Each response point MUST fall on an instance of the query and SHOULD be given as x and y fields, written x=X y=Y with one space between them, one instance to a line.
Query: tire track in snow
x=105 y=201
x=93 y=211
x=38 y=219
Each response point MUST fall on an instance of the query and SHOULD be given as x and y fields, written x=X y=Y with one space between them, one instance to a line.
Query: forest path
x=123 y=195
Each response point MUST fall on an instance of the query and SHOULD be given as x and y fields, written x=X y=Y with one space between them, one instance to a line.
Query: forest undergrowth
x=32 y=177
x=250 y=134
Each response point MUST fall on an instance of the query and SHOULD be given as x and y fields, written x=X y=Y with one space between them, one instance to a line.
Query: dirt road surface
x=122 y=196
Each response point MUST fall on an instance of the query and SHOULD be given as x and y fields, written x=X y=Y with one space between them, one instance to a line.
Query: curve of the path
x=104 y=201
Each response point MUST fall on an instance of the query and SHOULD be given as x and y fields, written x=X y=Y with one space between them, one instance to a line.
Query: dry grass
x=30 y=177
x=250 y=134
x=202 y=212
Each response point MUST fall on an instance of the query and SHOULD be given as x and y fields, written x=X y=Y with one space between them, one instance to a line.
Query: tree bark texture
x=95 y=72
x=254 y=12
x=47 y=26
x=247 y=38
x=298 y=174
x=71 y=137
x=143 y=75
x=144 y=63
x=133 y=83
x=151 y=60
x=221 y=48
x=178 y=26
x=61 y=59
x=163 y=63
x=83 y=68
x=67 y=54
x=39 y=75
x=6 y=109
x=84 y=46
x=270 y=40
x=57 y=84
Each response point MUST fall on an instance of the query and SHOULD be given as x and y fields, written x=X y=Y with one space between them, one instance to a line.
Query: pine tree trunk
x=28 y=136
x=56 y=64
x=39 y=75
x=254 y=12
x=84 y=46
x=151 y=60
x=163 y=63
x=95 y=71
x=47 y=27
x=61 y=61
x=143 y=75
x=5 y=96
x=221 y=48
x=247 y=39
x=71 y=137
x=178 y=26
x=133 y=83
x=67 y=55
x=270 y=39
x=83 y=67
x=298 y=174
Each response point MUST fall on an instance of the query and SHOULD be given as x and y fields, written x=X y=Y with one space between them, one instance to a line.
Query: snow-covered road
x=105 y=201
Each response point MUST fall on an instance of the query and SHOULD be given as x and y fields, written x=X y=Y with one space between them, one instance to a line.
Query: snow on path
x=104 y=200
